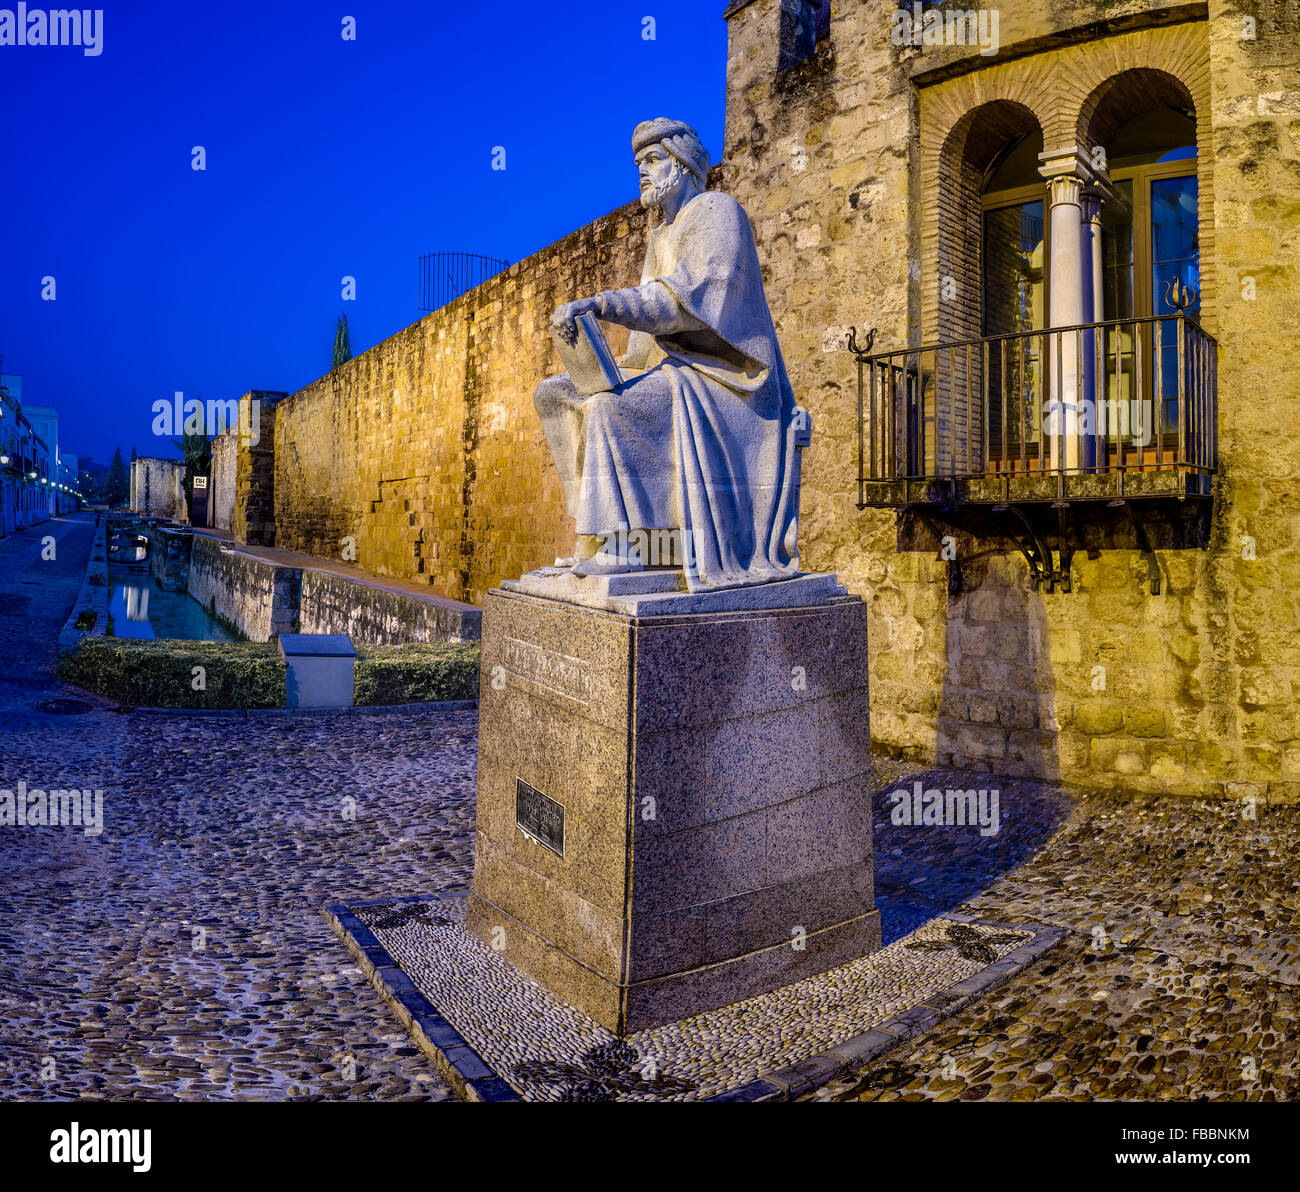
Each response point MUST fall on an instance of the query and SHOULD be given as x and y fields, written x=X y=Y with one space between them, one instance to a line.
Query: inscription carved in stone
x=558 y=673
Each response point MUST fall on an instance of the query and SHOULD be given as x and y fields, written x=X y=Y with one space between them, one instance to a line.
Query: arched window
x=990 y=198
x=1014 y=281
x=1144 y=121
x=1151 y=248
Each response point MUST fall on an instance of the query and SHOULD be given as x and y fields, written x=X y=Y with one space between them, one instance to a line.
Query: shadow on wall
x=943 y=832
x=997 y=707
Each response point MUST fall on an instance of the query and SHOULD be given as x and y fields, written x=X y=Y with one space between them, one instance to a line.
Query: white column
x=1073 y=293
x=1093 y=446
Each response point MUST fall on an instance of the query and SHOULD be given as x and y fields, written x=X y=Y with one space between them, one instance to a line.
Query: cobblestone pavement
x=1178 y=980
x=182 y=954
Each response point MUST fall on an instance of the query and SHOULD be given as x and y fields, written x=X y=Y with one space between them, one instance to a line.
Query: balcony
x=1012 y=435
x=1018 y=417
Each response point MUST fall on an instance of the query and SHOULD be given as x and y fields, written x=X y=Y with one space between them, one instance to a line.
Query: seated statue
x=701 y=437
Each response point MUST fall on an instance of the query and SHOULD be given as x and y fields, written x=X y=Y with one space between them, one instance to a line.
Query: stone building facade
x=861 y=165
x=221 y=484
x=157 y=487
x=966 y=198
x=24 y=463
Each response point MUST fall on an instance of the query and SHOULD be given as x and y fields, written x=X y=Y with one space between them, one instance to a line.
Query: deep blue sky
x=324 y=158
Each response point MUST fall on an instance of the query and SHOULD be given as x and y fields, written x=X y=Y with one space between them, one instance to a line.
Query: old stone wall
x=423 y=458
x=1191 y=691
x=156 y=489
x=261 y=597
x=225 y=467
x=253 y=519
x=257 y=598
x=169 y=557
x=383 y=616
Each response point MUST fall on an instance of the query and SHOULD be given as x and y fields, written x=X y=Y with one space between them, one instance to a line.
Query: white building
x=29 y=477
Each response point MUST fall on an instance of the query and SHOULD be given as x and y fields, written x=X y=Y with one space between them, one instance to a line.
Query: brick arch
x=952 y=131
x=1112 y=79
x=1055 y=85
x=972 y=144
x=1118 y=98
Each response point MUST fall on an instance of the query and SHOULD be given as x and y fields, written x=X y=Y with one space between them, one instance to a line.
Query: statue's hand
x=562 y=321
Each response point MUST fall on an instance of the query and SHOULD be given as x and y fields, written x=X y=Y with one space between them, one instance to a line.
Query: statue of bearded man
x=699 y=438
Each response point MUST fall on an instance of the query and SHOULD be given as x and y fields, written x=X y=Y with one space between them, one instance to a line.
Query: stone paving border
x=458 y=1063
x=445 y=705
x=473 y=1080
x=840 y=1061
x=94 y=598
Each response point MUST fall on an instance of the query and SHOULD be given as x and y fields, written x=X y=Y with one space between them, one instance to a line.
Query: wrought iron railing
x=445 y=276
x=1121 y=396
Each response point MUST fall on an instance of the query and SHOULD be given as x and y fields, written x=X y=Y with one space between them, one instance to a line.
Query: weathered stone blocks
x=712 y=770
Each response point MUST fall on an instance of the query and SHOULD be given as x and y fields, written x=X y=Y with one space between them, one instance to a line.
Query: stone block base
x=673 y=810
x=642 y=1004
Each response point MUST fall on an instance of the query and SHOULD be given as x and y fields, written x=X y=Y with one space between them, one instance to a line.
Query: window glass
x=1013 y=268
x=1013 y=302
x=1117 y=252
x=1175 y=262
x=1175 y=242
x=1159 y=134
x=1017 y=165
x=803 y=24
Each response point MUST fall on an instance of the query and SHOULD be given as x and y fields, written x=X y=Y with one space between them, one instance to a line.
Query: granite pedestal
x=673 y=810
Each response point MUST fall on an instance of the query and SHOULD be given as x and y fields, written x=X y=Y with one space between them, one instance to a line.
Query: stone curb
x=448 y=705
x=95 y=597
x=445 y=705
x=456 y=1061
x=473 y=1080
x=854 y=1054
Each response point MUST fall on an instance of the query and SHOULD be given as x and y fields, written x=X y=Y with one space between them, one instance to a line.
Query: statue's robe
x=700 y=437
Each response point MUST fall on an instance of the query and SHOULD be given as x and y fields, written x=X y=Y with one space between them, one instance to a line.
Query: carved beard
x=653 y=196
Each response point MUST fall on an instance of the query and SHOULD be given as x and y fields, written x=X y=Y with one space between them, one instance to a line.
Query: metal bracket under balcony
x=1049 y=536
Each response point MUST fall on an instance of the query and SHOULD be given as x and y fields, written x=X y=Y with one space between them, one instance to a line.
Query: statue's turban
x=679 y=139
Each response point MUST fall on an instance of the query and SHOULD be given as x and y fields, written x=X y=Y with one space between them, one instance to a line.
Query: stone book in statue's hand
x=588 y=360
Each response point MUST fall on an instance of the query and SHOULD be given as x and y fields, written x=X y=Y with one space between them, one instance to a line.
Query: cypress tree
x=117 y=487
x=196 y=447
x=342 y=345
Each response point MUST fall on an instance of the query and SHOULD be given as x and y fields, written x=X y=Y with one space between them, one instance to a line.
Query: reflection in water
x=137 y=602
x=141 y=610
x=128 y=548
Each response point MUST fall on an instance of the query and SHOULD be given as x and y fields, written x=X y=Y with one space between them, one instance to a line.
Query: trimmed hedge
x=160 y=673
x=416 y=673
